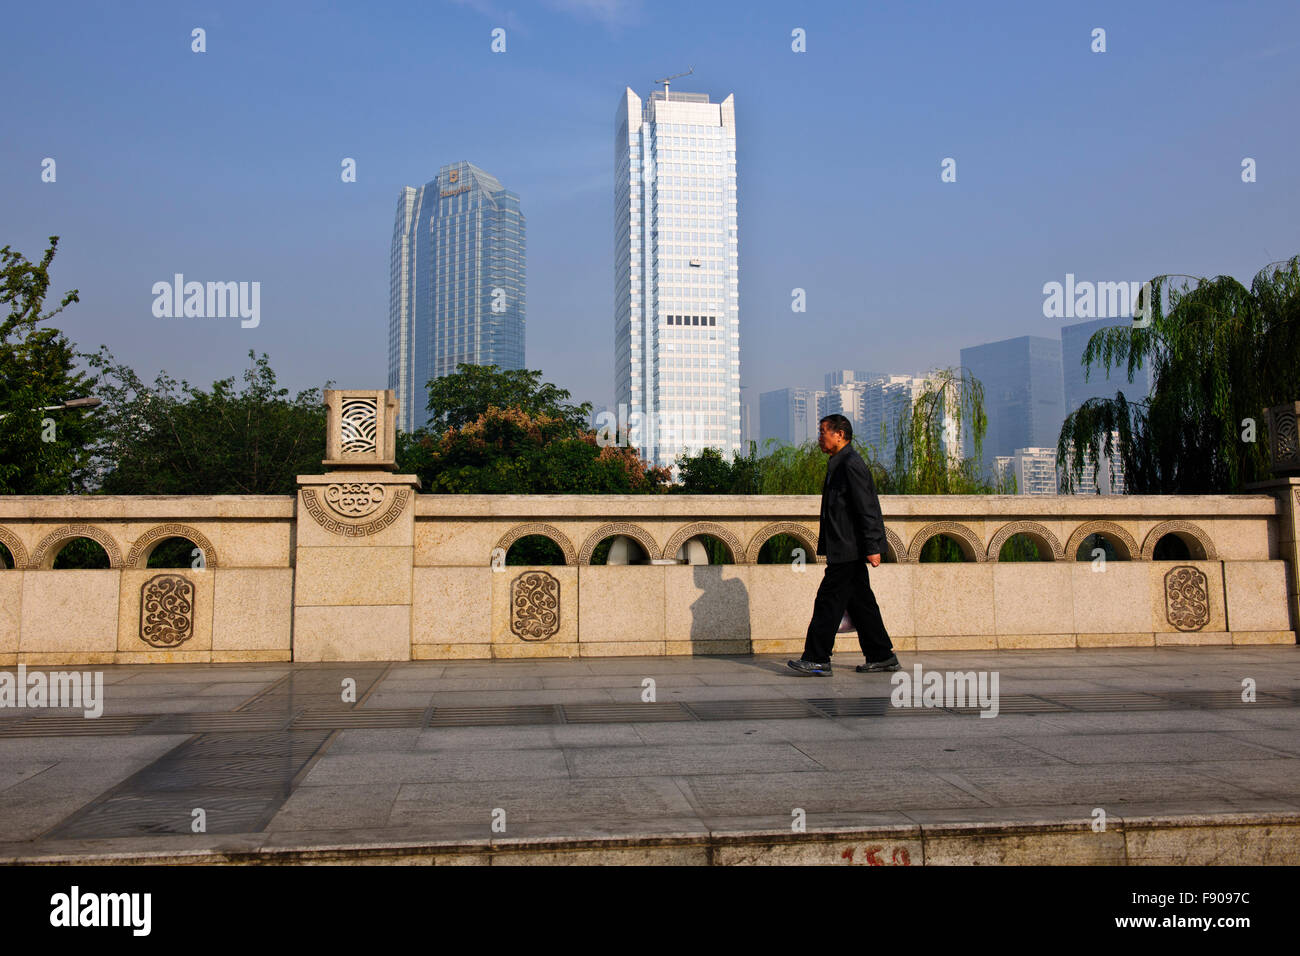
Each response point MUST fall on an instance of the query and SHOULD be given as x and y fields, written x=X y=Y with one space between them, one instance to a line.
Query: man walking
x=852 y=535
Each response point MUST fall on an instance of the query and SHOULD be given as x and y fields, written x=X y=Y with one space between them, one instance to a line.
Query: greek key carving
x=1120 y=539
x=806 y=537
x=1184 y=527
x=896 y=546
x=166 y=610
x=135 y=557
x=51 y=544
x=547 y=531
x=16 y=550
x=641 y=536
x=534 y=606
x=1187 y=598
x=724 y=535
x=1032 y=529
x=952 y=529
x=335 y=525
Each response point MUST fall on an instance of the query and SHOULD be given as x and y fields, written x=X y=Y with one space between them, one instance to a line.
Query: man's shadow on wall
x=720 y=612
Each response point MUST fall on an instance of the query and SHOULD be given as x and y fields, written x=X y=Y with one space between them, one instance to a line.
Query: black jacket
x=852 y=526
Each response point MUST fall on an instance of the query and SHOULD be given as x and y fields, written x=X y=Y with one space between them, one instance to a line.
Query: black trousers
x=845 y=586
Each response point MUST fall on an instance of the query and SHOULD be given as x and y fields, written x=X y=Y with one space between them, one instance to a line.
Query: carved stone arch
x=48 y=549
x=546 y=531
x=806 y=537
x=1180 y=528
x=639 y=534
x=138 y=556
x=896 y=545
x=952 y=529
x=16 y=549
x=681 y=535
x=1110 y=529
x=1031 y=529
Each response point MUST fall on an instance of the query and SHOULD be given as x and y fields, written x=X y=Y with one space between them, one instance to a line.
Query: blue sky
x=225 y=165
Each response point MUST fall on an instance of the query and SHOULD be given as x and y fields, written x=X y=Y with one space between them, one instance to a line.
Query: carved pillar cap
x=382 y=477
x=360 y=429
x=356 y=503
x=1284 y=438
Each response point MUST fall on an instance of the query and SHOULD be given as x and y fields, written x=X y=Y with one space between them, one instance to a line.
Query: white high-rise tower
x=677 y=290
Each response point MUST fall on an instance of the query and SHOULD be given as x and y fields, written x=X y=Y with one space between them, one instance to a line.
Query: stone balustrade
x=235 y=605
x=361 y=566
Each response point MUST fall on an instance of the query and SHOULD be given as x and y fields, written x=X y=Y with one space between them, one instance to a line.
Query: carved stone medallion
x=534 y=606
x=166 y=610
x=1187 y=598
x=354 y=499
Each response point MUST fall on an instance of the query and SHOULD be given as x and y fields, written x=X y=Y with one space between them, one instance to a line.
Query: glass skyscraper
x=456 y=283
x=677 y=291
x=1100 y=383
x=1024 y=394
x=790 y=415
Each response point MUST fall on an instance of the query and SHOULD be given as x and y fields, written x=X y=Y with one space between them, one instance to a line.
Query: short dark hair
x=838 y=423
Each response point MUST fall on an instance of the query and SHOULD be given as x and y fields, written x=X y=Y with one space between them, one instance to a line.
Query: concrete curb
x=1195 y=839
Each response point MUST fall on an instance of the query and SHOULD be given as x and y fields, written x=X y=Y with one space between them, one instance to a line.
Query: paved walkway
x=272 y=757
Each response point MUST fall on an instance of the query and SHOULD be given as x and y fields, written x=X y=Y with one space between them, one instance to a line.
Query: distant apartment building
x=884 y=401
x=874 y=405
x=1034 y=470
x=456 y=283
x=847 y=376
x=790 y=415
x=1037 y=472
x=1099 y=384
x=1023 y=394
x=1110 y=475
x=847 y=399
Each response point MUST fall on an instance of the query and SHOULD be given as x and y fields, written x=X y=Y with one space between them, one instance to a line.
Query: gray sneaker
x=890 y=663
x=810 y=669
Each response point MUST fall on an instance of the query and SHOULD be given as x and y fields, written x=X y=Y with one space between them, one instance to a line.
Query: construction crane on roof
x=665 y=81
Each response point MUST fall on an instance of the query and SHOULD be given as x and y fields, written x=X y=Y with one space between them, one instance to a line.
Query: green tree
x=497 y=431
x=924 y=463
x=1218 y=354
x=460 y=398
x=795 y=469
x=705 y=473
x=511 y=451
x=172 y=438
x=41 y=452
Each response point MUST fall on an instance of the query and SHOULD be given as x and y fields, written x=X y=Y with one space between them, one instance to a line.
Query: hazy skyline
x=225 y=166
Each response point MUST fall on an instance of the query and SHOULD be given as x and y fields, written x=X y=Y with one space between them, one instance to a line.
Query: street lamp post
x=89 y=401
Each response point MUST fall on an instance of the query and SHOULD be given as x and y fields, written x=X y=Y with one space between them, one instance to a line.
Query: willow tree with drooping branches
x=927 y=457
x=1219 y=354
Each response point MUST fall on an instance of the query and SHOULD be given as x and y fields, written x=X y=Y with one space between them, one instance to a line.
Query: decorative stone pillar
x=355 y=538
x=1284 y=455
x=1284 y=439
